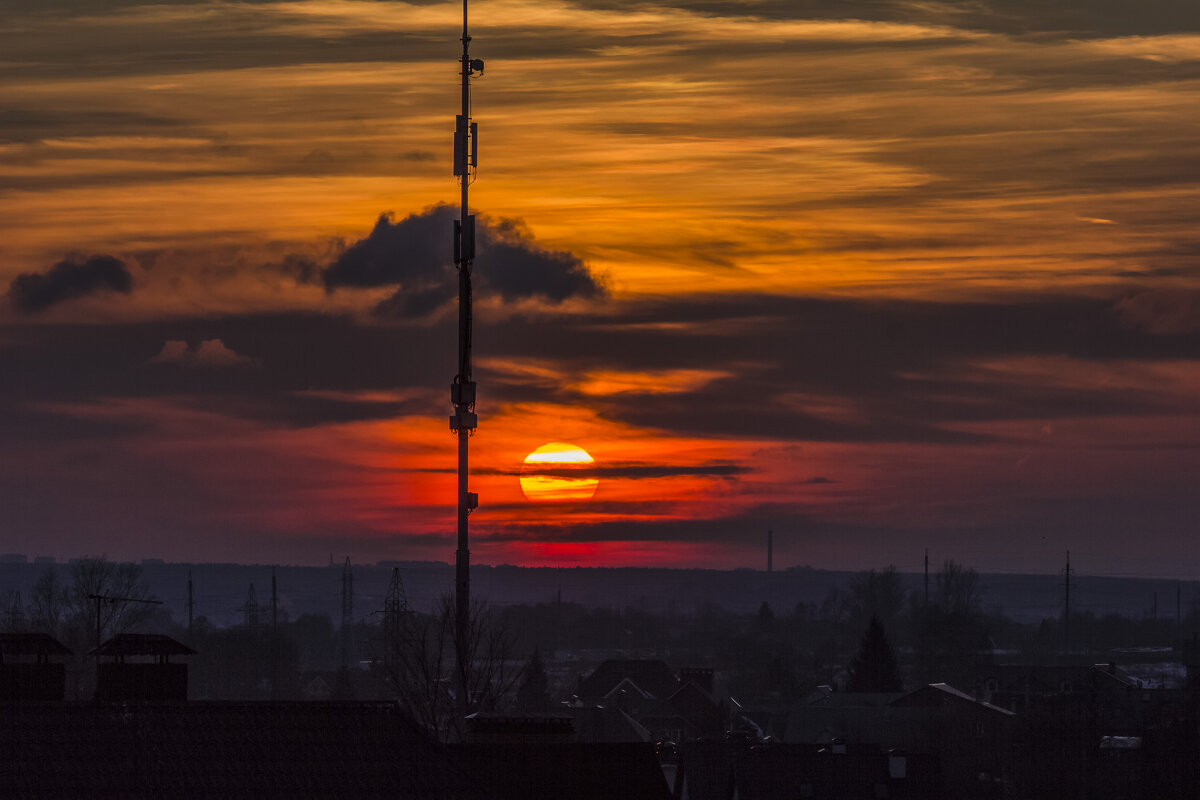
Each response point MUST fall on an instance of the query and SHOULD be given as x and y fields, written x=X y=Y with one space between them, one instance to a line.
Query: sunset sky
x=879 y=276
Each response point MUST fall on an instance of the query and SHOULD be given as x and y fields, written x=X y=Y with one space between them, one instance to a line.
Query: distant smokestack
x=770 y=547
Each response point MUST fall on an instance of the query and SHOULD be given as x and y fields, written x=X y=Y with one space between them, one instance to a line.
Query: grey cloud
x=1077 y=18
x=513 y=265
x=296 y=357
x=417 y=302
x=882 y=370
x=723 y=529
x=208 y=353
x=32 y=292
x=415 y=249
x=416 y=255
x=798 y=368
x=27 y=124
x=1162 y=311
x=241 y=37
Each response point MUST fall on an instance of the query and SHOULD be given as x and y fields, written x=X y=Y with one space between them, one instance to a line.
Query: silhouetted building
x=639 y=678
x=968 y=736
x=671 y=708
x=32 y=669
x=719 y=769
x=206 y=750
x=554 y=771
x=590 y=724
x=141 y=669
x=1020 y=687
x=520 y=727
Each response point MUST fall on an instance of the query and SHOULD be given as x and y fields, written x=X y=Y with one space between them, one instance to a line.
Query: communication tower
x=250 y=611
x=462 y=391
x=395 y=609
x=347 y=611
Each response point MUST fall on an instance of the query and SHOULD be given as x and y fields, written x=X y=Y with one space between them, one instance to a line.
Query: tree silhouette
x=874 y=668
x=954 y=632
x=417 y=665
x=533 y=694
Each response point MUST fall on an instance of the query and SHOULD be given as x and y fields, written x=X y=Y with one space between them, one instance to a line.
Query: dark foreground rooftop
x=327 y=750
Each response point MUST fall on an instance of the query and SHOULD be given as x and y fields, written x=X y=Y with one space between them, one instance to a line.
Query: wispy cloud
x=847 y=269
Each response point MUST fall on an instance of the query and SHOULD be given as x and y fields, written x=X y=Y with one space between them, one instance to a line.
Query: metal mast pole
x=191 y=610
x=462 y=390
x=1067 y=610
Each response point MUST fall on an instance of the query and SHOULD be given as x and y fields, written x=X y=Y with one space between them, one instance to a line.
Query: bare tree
x=116 y=585
x=415 y=658
x=12 y=613
x=954 y=631
x=69 y=612
x=49 y=604
x=958 y=590
x=878 y=594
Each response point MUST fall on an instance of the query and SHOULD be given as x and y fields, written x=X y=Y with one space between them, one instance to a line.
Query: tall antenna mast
x=462 y=390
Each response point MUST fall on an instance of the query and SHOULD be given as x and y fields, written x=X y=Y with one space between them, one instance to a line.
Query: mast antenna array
x=462 y=391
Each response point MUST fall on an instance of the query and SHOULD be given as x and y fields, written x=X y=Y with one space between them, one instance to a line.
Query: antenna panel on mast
x=464 y=239
x=460 y=145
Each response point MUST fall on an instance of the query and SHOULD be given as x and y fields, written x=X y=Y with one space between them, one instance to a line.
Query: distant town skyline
x=879 y=277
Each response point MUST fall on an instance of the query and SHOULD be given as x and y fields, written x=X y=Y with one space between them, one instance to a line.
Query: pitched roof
x=608 y=725
x=142 y=644
x=853 y=699
x=940 y=693
x=651 y=676
x=1117 y=674
x=31 y=644
x=1056 y=678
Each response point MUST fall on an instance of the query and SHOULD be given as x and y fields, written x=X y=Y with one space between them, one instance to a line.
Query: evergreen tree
x=532 y=694
x=874 y=668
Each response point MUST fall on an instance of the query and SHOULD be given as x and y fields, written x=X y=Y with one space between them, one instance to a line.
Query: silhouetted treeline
x=945 y=634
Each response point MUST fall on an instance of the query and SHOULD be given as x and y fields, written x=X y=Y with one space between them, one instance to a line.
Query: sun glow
x=557 y=472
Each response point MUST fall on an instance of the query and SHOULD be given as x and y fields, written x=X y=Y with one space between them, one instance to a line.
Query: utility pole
x=927 y=577
x=395 y=608
x=112 y=601
x=274 y=635
x=191 y=612
x=250 y=611
x=926 y=629
x=462 y=391
x=1067 y=610
x=347 y=611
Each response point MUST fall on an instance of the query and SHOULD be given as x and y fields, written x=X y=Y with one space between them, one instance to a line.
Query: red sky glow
x=878 y=277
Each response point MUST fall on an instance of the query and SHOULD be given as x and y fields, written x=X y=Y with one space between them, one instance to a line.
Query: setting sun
x=549 y=474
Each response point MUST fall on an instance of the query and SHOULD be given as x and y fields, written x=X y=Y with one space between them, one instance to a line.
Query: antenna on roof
x=462 y=390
